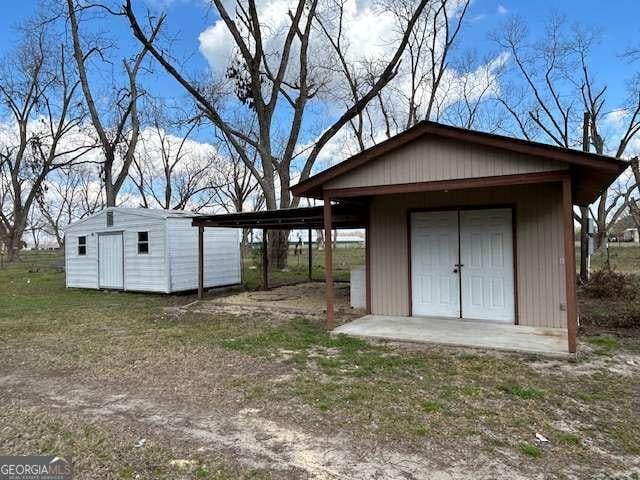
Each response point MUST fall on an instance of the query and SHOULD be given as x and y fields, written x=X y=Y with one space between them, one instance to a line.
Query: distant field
x=623 y=257
x=298 y=266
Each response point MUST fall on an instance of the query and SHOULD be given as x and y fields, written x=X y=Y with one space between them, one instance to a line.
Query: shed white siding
x=81 y=271
x=171 y=262
x=221 y=255
x=145 y=272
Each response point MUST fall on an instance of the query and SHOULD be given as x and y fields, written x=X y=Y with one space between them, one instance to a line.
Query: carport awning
x=351 y=215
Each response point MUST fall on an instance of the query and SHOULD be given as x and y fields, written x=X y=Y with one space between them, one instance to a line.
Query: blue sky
x=188 y=18
x=617 y=19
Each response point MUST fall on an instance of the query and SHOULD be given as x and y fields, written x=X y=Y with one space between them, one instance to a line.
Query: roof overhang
x=590 y=173
x=348 y=215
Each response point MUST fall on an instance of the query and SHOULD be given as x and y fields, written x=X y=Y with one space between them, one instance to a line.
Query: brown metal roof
x=591 y=173
x=352 y=215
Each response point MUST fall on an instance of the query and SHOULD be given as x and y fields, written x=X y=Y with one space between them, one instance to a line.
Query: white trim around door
x=462 y=264
x=111 y=260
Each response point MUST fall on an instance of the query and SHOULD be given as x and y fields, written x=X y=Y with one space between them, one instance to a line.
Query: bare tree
x=540 y=99
x=594 y=99
x=440 y=46
x=266 y=78
x=237 y=190
x=418 y=91
x=118 y=136
x=551 y=86
x=240 y=186
x=35 y=228
x=39 y=96
x=172 y=171
x=471 y=96
x=61 y=202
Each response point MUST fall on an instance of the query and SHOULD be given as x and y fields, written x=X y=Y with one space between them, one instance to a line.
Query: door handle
x=455 y=270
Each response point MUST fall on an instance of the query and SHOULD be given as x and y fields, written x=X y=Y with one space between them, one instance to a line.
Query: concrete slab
x=458 y=332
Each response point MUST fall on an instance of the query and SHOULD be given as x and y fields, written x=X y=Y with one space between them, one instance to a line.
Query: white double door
x=111 y=260
x=462 y=264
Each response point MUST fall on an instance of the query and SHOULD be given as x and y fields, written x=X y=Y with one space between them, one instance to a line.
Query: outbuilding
x=469 y=235
x=465 y=226
x=147 y=250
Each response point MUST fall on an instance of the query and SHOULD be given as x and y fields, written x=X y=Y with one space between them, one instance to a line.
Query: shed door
x=486 y=253
x=435 y=284
x=110 y=261
x=462 y=264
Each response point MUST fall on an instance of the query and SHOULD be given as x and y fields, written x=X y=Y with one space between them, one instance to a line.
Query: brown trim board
x=367 y=261
x=457 y=184
x=328 y=263
x=570 y=266
x=514 y=234
x=409 y=263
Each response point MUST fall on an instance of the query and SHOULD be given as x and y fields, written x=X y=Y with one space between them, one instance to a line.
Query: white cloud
x=193 y=155
x=613 y=128
x=217 y=44
x=152 y=143
x=163 y=4
x=616 y=118
x=633 y=148
x=369 y=32
x=477 y=18
x=502 y=10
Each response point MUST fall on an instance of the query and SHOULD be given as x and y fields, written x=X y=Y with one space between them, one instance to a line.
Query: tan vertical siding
x=433 y=159
x=539 y=243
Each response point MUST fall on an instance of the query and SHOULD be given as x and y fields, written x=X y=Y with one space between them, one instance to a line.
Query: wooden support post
x=328 y=263
x=367 y=268
x=200 y=262
x=265 y=260
x=570 y=264
x=310 y=257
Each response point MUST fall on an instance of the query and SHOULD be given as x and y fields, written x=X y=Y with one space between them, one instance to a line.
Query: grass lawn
x=298 y=266
x=90 y=374
x=623 y=257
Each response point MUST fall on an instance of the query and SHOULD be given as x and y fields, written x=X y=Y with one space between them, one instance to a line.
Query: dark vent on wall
x=109 y=219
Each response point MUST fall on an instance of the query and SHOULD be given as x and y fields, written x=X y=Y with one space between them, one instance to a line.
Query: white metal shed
x=146 y=250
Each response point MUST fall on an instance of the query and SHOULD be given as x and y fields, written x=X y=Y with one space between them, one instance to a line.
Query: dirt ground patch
x=259 y=443
x=306 y=299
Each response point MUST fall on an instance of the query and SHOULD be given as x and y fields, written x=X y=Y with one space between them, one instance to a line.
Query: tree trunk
x=109 y=190
x=599 y=237
x=244 y=243
x=584 y=211
x=14 y=244
x=584 y=244
x=278 y=248
x=15 y=233
x=601 y=222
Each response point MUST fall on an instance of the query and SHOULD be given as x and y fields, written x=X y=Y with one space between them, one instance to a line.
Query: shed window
x=143 y=242
x=109 y=219
x=82 y=245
